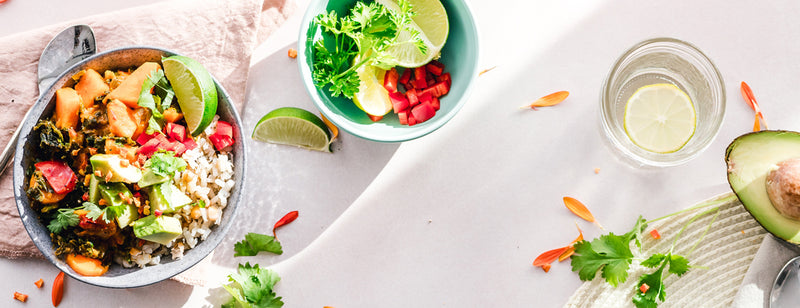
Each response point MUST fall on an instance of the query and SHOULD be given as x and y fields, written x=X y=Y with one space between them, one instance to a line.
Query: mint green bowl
x=459 y=55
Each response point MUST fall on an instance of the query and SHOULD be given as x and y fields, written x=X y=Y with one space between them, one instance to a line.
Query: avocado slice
x=113 y=164
x=94 y=189
x=115 y=194
x=166 y=197
x=160 y=229
x=750 y=158
x=150 y=178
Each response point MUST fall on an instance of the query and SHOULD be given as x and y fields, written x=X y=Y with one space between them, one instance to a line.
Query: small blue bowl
x=459 y=55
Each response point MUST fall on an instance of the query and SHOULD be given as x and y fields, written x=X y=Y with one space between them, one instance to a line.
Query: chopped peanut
x=213 y=213
x=195 y=213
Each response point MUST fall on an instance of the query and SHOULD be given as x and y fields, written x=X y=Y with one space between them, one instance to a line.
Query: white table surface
x=454 y=219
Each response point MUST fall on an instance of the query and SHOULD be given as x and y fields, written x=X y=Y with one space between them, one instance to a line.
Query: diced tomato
x=435 y=67
x=413 y=100
x=439 y=89
x=143 y=138
x=430 y=79
x=176 y=131
x=423 y=112
x=654 y=233
x=405 y=77
x=403 y=117
x=149 y=148
x=419 y=78
x=399 y=101
x=224 y=128
x=411 y=120
x=375 y=118
x=220 y=141
x=446 y=78
x=390 y=80
x=435 y=103
x=189 y=144
x=425 y=97
x=174 y=146
x=59 y=175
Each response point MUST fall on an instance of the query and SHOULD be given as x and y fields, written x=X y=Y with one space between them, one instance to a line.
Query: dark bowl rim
x=183 y=264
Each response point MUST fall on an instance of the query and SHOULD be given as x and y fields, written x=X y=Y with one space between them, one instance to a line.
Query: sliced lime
x=293 y=126
x=660 y=118
x=432 y=23
x=194 y=89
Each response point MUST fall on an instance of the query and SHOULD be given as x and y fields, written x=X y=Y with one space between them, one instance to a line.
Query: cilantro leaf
x=165 y=164
x=654 y=260
x=654 y=292
x=64 y=219
x=157 y=82
x=636 y=233
x=678 y=265
x=253 y=287
x=610 y=254
x=254 y=243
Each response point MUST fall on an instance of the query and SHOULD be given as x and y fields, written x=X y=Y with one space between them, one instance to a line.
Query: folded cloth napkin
x=757 y=283
x=219 y=34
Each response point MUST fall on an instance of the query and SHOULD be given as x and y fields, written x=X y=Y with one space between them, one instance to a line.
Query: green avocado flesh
x=750 y=158
x=159 y=229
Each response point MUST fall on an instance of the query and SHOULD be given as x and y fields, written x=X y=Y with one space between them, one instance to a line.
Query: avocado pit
x=783 y=188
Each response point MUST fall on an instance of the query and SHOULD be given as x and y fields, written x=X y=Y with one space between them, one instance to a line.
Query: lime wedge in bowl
x=195 y=90
x=431 y=22
x=293 y=126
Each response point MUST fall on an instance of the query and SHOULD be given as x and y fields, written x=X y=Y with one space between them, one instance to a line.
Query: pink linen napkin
x=219 y=34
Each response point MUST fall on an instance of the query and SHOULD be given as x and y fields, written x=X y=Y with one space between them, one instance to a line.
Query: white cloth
x=757 y=283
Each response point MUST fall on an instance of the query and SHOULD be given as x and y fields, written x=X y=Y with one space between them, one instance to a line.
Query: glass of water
x=659 y=61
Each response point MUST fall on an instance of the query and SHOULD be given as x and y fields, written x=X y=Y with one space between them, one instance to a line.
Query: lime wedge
x=372 y=97
x=293 y=126
x=660 y=118
x=195 y=90
x=432 y=23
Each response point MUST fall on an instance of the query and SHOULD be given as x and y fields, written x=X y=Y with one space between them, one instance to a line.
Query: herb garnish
x=365 y=37
x=66 y=218
x=157 y=82
x=611 y=255
x=165 y=163
x=254 y=243
x=253 y=287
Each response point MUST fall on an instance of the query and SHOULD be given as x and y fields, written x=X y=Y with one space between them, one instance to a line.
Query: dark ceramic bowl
x=118 y=276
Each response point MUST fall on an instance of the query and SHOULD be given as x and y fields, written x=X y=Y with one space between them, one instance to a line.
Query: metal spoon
x=70 y=46
x=787 y=283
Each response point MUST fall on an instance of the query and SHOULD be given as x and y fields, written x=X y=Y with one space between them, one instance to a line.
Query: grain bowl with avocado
x=133 y=166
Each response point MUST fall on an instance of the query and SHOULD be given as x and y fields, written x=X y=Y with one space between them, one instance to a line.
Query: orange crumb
x=20 y=297
x=292 y=53
x=39 y=283
x=596 y=170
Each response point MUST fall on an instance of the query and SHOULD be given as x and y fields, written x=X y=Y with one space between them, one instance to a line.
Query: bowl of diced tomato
x=418 y=99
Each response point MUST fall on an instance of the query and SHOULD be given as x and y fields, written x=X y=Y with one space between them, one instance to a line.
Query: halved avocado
x=750 y=158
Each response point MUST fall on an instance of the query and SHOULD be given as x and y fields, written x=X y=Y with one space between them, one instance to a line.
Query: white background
x=454 y=219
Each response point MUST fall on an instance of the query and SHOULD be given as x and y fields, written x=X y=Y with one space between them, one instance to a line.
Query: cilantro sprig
x=158 y=101
x=611 y=256
x=164 y=163
x=66 y=218
x=365 y=36
x=252 y=286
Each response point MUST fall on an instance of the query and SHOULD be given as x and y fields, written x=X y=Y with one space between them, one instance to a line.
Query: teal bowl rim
x=345 y=124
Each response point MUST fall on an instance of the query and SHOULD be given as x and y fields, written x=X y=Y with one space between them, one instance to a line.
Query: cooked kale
x=52 y=140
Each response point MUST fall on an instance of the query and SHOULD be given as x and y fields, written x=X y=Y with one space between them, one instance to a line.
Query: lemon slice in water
x=660 y=118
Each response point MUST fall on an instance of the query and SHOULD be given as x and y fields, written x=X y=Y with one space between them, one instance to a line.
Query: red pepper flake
x=750 y=99
x=157 y=213
x=285 y=220
x=20 y=297
x=85 y=196
x=548 y=100
x=39 y=283
x=580 y=210
x=644 y=287
x=654 y=233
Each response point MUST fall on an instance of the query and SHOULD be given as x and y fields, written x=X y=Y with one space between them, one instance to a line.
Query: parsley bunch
x=364 y=37
x=611 y=255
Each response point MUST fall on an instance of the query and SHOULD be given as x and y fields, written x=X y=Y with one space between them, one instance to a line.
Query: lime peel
x=293 y=126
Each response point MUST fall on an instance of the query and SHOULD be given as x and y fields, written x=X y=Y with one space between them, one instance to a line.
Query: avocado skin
x=160 y=229
x=749 y=158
